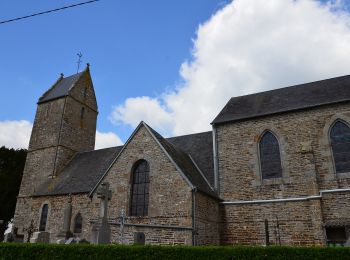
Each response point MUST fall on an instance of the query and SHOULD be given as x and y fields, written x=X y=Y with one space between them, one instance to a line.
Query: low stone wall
x=297 y=223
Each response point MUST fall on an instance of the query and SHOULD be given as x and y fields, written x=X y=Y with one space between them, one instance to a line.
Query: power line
x=49 y=11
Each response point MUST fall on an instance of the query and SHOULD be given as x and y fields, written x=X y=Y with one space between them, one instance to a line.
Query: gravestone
x=139 y=238
x=8 y=237
x=61 y=241
x=65 y=232
x=104 y=231
x=94 y=234
x=28 y=230
x=40 y=237
x=347 y=243
x=71 y=241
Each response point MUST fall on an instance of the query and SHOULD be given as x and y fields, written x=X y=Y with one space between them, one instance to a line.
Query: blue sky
x=173 y=64
x=135 y=48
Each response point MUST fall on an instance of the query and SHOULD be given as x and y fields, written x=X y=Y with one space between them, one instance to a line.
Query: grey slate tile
x=308 y=95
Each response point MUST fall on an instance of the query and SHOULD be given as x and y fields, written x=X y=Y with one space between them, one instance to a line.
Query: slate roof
x=200 y=148
x=86 y=169
x=308 y=95
x=81 y=174
x=185 y=163
x=61 y=88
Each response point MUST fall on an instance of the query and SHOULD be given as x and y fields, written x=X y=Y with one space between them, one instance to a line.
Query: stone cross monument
x=104 y=232
x=65 y=232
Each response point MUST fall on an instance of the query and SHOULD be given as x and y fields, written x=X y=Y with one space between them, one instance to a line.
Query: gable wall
x=305 y=173
x=77 y=92
x=170 y=201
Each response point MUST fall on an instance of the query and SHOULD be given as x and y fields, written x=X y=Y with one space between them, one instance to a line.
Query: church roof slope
x=200 y=147
x=308 y=95
x=61 y=88
x=186 y=164
x=87 y=169
x=81 y=174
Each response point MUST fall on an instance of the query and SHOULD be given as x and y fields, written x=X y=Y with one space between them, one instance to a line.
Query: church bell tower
x=65 y=124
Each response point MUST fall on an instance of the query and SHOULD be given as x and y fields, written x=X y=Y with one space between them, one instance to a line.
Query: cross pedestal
x=104 y=232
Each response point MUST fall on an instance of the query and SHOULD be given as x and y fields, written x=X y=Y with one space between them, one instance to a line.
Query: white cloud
x=145 y=109
x=248 y=46
x=15 y=134
x=105 y=140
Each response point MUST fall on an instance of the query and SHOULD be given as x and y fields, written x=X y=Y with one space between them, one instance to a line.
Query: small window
x=78 y=223
x=85 y=92
x=340 y=142
x=43 y=218
x=139 y=189
x=270 y=158
x=82 y=113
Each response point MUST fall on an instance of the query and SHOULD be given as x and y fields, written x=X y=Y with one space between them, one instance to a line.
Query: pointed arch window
x=43 y=217
x=140 y=189
x=78 y=223
x=340 y=142
x=270 y=158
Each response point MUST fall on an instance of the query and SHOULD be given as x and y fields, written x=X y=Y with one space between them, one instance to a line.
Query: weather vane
x=79 y=60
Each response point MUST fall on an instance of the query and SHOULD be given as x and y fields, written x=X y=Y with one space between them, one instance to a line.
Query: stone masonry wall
x=59 y=132
x=81 y=203
x=207 y=220
x=78 y=129
x=290 y=223
x=84 y=92
x=170 y=198
x=153 y=236
x=336 y=209
x=307 y=168
x=40 y=158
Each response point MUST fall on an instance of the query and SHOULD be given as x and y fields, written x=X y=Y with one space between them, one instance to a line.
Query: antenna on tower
x=79 y=61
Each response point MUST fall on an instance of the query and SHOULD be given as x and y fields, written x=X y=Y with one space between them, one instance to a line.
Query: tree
x=11 y=169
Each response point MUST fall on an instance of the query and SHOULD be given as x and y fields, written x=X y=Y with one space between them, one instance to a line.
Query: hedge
x=95 y=252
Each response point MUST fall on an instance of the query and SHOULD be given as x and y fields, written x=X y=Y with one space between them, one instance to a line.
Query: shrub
x=95 y=252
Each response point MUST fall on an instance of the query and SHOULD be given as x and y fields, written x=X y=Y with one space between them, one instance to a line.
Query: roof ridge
x=189 y=134
x=102 y=149
x=78 y=77
x=291 y=86
x=54 y=84
x=62 y=87
x=286 y=99
x=200 y=171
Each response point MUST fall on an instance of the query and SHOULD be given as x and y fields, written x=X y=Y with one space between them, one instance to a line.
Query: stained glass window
x=340 y=142
x=139 y=189
x=270 y=158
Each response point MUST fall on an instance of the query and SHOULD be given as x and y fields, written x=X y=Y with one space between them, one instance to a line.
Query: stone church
x=275 y=169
